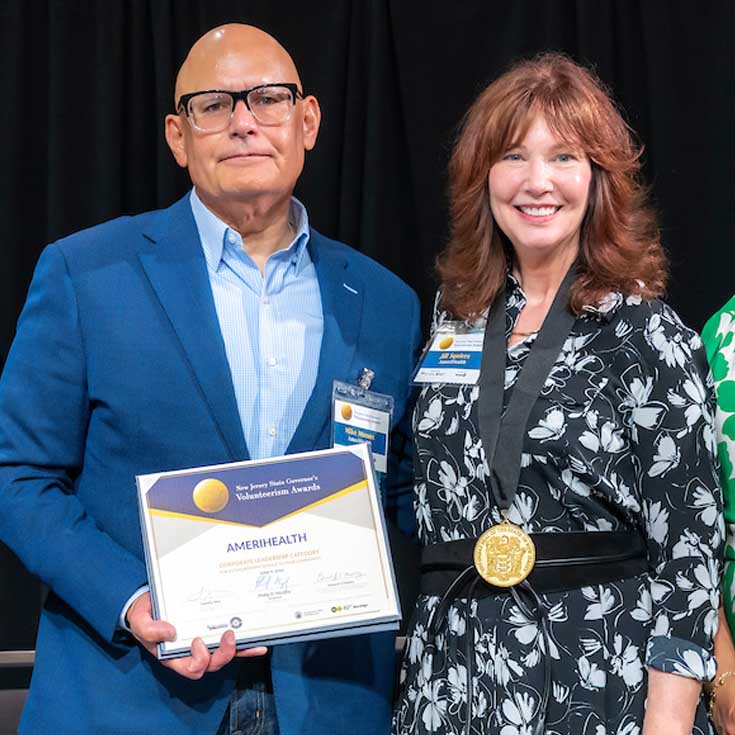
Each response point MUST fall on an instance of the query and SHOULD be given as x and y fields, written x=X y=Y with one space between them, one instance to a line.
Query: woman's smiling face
x=539 y=191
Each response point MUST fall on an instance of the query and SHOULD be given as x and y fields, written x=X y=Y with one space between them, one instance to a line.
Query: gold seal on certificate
x=504 y=555
x=278 y=550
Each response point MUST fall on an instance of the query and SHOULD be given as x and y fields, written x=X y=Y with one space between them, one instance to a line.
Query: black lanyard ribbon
x=502 y=435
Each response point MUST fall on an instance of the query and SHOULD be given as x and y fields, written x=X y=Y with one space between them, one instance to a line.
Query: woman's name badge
x=453 y=357
x=362 y=416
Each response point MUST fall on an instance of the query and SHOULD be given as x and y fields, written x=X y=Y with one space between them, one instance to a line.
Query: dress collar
x=604 y=309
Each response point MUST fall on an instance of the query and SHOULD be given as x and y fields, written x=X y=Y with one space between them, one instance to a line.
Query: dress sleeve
x=719 y=341
x=681 y=495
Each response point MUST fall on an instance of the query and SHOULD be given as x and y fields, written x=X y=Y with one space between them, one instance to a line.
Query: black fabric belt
x=564 y=561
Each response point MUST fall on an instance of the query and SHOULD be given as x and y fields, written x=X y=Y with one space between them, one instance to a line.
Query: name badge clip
x=360 y=415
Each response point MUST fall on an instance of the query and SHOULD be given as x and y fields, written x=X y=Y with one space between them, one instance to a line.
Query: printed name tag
x=362 y=416
x=453 y=357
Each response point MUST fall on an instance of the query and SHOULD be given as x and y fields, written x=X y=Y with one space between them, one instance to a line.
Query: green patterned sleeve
x=719 y=340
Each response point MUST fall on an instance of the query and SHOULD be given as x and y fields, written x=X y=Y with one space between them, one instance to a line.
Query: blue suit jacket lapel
x=175 y=266
x=342 y=296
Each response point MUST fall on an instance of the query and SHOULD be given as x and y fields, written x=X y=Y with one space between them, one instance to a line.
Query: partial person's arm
x=671 y=703
x=45 y=410
x=723 y=685
x=718 y=336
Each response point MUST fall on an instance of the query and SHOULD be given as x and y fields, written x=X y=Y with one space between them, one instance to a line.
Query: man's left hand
x=149 y=632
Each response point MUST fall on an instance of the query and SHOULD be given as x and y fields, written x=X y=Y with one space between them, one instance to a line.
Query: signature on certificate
x=208 y=596
x=272 y=582
x=342 y=577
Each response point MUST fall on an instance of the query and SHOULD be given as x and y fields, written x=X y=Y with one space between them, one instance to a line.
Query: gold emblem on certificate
x=504 y=555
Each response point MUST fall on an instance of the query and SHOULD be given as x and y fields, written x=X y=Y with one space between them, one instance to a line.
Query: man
x=209 y=332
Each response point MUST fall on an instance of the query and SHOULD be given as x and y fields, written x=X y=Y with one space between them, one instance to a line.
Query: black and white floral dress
x=621 y=438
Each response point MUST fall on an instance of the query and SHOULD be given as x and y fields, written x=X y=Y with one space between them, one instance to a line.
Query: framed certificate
x=279 y=550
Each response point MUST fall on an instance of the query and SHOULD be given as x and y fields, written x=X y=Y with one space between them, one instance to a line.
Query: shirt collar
x=213 y=231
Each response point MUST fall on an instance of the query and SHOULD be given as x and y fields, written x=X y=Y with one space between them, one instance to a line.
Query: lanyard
x=502 y=435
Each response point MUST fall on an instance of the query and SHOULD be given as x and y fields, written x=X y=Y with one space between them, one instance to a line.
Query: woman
x=718 y=336
x=605 y=466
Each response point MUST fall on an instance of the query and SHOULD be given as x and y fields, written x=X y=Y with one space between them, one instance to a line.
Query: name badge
x=454 y=356
x=362 y=416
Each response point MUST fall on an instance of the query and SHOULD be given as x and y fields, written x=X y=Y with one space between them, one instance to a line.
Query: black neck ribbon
x=502 y=434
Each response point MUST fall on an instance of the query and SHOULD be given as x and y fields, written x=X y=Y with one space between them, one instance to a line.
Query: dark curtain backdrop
x=84 y=87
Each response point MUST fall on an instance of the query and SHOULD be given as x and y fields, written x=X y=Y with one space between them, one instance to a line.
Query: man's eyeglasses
x=269 y=104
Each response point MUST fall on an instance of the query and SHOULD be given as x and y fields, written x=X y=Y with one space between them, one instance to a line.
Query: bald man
x=205 y=333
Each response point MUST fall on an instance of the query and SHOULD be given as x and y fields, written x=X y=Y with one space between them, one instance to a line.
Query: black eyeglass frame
x=296 y=94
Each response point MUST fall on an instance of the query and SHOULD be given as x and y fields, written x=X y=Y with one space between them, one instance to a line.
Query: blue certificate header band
x=258 y=494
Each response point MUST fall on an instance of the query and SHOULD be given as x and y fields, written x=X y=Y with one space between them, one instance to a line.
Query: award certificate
x=279 y=550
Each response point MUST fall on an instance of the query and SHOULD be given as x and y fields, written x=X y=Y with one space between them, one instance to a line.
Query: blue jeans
x=252 y=708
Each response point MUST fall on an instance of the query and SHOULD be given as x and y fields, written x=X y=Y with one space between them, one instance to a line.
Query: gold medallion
x=504 y=555
x=211 y=495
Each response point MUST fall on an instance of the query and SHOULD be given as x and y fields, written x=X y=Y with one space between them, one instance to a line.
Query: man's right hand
x=149 y=632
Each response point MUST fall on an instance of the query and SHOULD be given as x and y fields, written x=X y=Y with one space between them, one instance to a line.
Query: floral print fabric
x=718 y=336
x=621 y=437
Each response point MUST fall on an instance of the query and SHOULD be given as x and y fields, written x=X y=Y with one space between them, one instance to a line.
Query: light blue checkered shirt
x=272 y=327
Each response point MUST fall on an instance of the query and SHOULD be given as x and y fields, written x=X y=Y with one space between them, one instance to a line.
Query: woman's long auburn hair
x=620 y=246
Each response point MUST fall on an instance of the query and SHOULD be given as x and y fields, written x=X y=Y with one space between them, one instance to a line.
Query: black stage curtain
x=85 y=85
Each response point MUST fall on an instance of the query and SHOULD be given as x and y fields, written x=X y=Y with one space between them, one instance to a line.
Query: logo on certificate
x=235 y=623
x=211 y=495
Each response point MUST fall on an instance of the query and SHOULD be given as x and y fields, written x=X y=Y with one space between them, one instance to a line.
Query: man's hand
x=149 y=632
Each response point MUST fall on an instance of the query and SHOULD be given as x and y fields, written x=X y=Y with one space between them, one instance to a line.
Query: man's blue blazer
x=118 y=368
